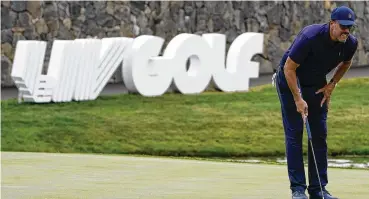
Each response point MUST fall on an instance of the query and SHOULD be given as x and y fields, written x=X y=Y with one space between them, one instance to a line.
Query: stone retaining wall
x=280 y=21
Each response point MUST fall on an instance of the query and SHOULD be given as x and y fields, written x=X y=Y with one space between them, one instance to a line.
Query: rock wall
x=279 y=21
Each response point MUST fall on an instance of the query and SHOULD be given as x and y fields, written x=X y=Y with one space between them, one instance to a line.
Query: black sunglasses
x=351 y=28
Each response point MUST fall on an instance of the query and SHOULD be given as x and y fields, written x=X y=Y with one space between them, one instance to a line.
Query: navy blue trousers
x=294 y=128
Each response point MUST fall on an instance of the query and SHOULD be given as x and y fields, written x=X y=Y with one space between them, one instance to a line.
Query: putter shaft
x=312 y=150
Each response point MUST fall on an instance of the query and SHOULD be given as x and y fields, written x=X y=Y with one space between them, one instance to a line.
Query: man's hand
x=327 y=91
x=302 y=108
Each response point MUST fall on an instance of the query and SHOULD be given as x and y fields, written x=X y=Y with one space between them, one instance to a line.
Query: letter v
x=112 y=54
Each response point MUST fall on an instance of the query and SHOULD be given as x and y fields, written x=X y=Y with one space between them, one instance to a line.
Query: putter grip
x=307 y=120
x=308 y=129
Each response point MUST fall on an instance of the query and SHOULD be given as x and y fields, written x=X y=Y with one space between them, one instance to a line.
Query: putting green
x=47 y=175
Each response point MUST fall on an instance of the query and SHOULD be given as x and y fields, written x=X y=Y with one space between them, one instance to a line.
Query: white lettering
x=80 y=69
x=193 y=47
x=62 y=69
x=26 y=72
x=88 y=56
x=243 y=48
x=111 y=55
x=143 y=72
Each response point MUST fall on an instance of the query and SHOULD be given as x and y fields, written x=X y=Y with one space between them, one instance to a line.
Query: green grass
x=206 y=125
x=67 y=176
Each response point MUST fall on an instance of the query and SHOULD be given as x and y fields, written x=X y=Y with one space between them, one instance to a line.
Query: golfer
x=304 y=94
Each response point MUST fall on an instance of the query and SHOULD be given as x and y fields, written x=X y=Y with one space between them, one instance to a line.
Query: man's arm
x=345 y=65
x=342 y=68
x=299 y=52
x=290 y=74
x=291 y=78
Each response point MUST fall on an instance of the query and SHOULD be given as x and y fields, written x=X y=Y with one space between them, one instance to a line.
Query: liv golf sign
x=79 y=69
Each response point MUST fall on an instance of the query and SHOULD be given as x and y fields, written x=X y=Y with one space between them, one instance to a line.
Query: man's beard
x=343 y=37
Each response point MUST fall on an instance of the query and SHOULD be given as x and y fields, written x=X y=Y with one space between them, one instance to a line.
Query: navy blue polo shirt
x=317 y=54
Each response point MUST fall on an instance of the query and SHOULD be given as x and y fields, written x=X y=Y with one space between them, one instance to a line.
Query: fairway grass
x=211 y=124
x=70 y=176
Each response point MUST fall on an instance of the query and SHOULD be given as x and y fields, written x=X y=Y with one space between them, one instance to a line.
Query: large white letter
x=112 y=54
x=62 y=67
x=26 y=72
x=235 y=76
x=222 y=77
x=143 y=71
x=87 y=51
x=189 y=46
x=243 y=48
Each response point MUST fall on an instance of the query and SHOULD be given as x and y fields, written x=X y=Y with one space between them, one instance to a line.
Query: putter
x=311 y=144
x=312 y=149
